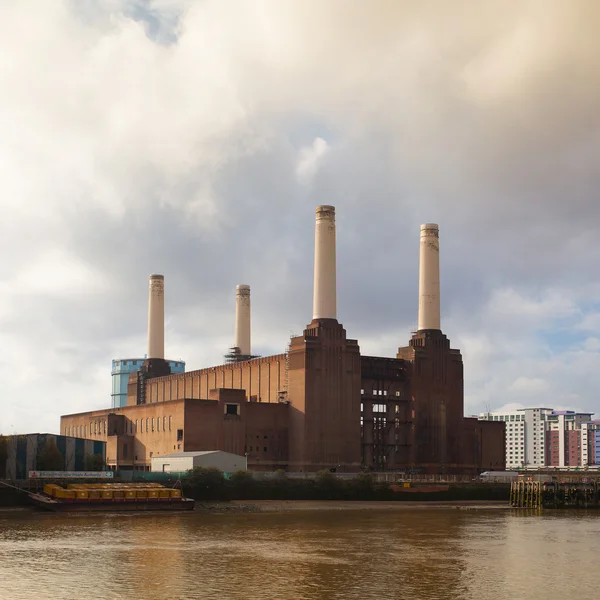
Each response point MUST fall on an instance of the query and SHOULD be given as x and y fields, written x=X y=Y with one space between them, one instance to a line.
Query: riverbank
x=341 y=505
x=291 y=506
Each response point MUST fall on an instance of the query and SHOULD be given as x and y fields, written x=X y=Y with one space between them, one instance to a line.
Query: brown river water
x=408 y=553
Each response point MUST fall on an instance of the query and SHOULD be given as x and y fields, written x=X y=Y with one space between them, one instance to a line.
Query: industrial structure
x=544 y=437
x=241 y=349
x=20 y=454
x=123 y=367
x=319 y=405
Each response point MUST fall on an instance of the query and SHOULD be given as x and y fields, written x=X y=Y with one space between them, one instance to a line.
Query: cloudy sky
x=195 y=138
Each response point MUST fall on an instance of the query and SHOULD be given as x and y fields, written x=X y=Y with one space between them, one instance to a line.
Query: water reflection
x=417 y=554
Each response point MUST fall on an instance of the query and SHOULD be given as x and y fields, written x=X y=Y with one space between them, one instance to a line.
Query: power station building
x=122 y=368
x=320 y=405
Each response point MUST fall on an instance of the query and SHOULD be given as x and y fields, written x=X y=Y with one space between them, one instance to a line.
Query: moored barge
x=110 y=497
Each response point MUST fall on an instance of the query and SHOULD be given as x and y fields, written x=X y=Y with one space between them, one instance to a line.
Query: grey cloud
x=165 y=136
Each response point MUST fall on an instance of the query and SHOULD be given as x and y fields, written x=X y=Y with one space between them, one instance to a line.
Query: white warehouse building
x=184 y=461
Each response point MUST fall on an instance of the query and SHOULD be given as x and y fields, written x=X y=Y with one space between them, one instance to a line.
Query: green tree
x=241 y=478
x=50 y=458
x=206 y=483
x=363 y=484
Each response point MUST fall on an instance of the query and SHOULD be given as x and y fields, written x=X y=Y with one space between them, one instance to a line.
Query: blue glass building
x=120 y=377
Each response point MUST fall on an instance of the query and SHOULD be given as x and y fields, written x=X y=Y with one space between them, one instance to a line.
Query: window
x=158 y=424
x=170 y=421
x=152 y=424
x=105 y=427
x=147 y=425
x=265 y=449
x=232 y=409
x=180 y=435
x=398 y=394
x=164 y=423
x=136 y=426
x=362 y=392
x=125 y=449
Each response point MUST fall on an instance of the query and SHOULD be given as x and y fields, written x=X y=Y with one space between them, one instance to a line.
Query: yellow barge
x=111 y=497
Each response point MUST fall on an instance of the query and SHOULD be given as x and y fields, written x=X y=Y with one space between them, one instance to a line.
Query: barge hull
x=92 y=506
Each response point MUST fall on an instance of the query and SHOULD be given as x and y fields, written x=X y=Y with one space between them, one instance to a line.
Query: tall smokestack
x=324 y=299
x=156 y=317
x=429 y=278
x=242 y=319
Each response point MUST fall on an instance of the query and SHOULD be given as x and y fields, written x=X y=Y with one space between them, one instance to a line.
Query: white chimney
x=156 y=317
x=324 y=299
x=429 y=278
x=242 y=319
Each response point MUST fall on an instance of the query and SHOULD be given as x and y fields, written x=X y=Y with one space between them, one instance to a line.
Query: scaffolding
x=235 y=356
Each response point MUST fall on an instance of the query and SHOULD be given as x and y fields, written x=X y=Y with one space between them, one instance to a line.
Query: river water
x=407 y=553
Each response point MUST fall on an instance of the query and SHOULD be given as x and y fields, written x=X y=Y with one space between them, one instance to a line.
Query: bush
x=241 y=478
x=206 y=483
x=328 y=486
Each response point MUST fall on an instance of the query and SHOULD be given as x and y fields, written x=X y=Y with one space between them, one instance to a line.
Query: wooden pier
x=582 y=493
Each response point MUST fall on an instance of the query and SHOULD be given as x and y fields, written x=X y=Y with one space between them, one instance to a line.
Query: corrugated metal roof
x=188 y=454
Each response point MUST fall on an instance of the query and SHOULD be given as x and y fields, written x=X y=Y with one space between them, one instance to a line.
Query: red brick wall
x=573 y=448
x=437 y=400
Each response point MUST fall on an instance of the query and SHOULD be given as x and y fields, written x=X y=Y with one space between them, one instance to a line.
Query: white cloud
x=529 y=385
x=309 y=159
x=195 y=138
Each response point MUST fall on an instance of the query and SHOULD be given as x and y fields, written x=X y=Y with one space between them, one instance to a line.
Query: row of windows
x=151 y=425
x=141 y=425
x=80 y=431
x=380 y=408
x=378 y=393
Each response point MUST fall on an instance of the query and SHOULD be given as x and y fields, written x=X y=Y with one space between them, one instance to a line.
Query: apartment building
x=544 y=437
x=525 y=435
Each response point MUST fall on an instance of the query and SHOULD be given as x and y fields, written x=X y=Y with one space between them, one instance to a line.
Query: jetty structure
x=544 y=490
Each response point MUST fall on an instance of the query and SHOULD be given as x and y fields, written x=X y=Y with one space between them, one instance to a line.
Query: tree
x=206 y=483
x=50 y=458
x=241 y=479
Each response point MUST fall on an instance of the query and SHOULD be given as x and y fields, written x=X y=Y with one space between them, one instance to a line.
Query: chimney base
x=155 y=367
